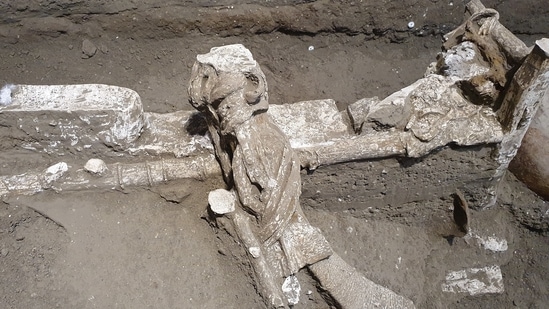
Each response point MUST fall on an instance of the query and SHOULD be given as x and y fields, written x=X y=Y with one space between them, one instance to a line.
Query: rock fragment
x=96 y=166
x=5 y=94
x=54 y=172
x=291 y=289
x=221 y=201
x=88 y=49
x=475 y=281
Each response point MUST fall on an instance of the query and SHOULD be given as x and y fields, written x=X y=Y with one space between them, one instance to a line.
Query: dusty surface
x=151 y=247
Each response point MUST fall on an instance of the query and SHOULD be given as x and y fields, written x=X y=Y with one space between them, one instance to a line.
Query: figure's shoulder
x=274 y=133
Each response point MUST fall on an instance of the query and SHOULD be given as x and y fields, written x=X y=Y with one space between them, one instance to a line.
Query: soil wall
x=395 y=186
x=156 y=18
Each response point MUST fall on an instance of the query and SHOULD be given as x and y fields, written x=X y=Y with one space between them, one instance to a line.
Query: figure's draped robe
x=267 y=179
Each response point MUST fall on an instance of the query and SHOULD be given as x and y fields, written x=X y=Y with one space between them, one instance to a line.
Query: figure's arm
x=220 y=153
x=248 y=193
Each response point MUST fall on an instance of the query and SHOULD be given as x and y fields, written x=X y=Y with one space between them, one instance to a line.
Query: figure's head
x=228 y=85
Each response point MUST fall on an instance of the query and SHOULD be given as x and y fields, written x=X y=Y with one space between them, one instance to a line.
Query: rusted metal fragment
x=482 y=26
x=461 y=212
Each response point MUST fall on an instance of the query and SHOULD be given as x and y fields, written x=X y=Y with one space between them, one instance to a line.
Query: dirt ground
x=152 y=247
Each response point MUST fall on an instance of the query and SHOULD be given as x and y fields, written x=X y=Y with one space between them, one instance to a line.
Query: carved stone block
x=309 y=122
x=83 y=116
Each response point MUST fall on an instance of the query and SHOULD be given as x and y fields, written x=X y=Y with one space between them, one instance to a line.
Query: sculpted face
x=233 y=111
x=228 y=98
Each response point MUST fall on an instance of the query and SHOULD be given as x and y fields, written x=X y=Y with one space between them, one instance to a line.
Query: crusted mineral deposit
x=261 y=171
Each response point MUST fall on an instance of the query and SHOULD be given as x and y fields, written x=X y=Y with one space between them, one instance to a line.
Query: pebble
x=104 y=49
x=255 y=252
x=291 y=289
x=88 y=49
x=54 y=172
x=221 y=201
x=4 y=252
x=96 y=166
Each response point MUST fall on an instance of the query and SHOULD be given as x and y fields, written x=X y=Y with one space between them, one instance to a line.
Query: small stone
x=4 y=252
x=19 y=237
x=88 y=49
x=255 y=252
x=21 y=7
x=5 y=94
x=221 y=201
x=96 y=166
x=411 y=25
x=291 y=289
x=54 y=172
x=104 y=49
